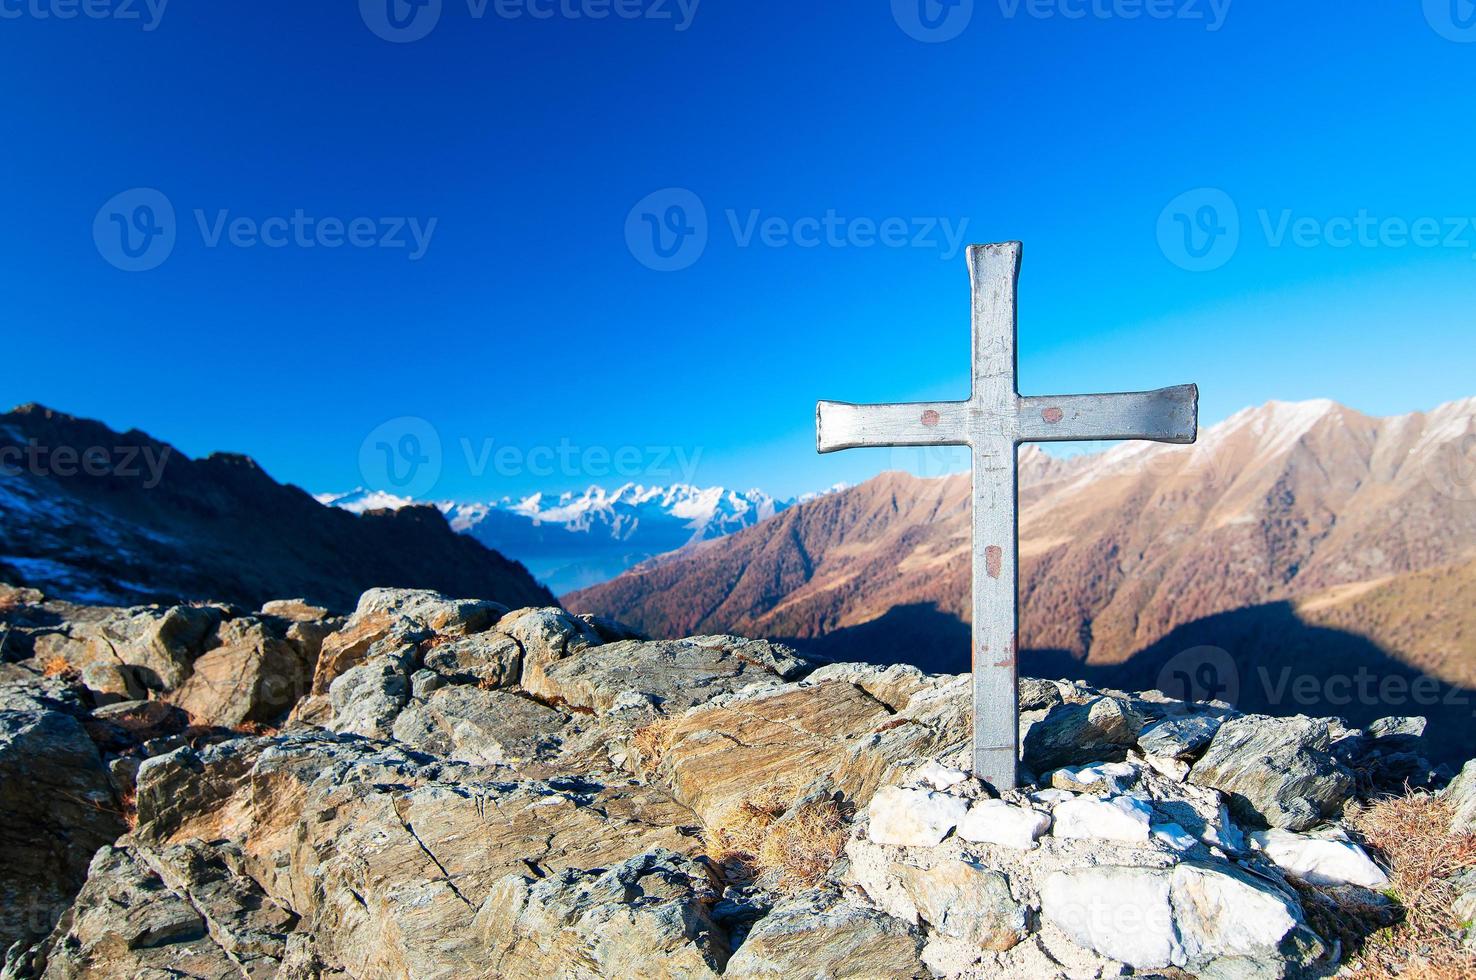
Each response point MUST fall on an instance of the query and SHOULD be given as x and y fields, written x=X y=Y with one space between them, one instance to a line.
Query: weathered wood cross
x=993 y=423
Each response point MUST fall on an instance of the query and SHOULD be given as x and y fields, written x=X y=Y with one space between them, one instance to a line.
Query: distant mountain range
x=1301 y=535
x=93 y=515
x=573 y=541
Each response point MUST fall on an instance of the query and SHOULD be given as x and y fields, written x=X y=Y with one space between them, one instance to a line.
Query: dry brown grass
x=801 y=849
x=128 y=806
x=654 y=741
x=751 y=840
x=57 y=666
x=737 y=835
x=1412 y=835
x=440 y=639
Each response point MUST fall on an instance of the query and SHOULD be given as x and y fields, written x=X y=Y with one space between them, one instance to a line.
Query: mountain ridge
x=99 y=515
x=1119 y=550
x=576 y=539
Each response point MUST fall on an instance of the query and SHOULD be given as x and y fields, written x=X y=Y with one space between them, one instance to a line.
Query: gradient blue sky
x=530 y=322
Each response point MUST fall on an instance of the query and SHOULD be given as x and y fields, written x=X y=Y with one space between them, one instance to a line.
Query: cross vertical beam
x=993 y=423
x=993 y=272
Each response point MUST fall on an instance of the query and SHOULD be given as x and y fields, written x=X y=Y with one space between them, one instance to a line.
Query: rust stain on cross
x=993 y=422
x=993 y=560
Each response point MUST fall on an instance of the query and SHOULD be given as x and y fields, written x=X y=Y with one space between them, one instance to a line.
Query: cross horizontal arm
x=841 y=425
x=1165 y=415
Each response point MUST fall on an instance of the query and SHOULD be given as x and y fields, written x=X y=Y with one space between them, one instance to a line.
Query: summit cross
x=993 y=423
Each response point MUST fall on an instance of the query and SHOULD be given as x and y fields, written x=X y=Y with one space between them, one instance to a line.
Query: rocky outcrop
x=57 y=807
x=648 y=916
x=468 y=791
x=1461 y=795
x=1276 y=771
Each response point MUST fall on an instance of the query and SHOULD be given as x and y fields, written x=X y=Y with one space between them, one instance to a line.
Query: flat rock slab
x=810 y=937
x=724 y=754
x=387 y=853
x=540 y=928
x=672 y=675
x=1276 y=772
x=481 y=727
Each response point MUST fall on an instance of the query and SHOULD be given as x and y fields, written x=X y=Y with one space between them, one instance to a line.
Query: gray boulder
x=1461 y=796
x=56 y=809
x=482 y=727
x=1179 y=738
x=430 y=610
x=648 y=916
x=366 y=699
x=672 y=675
x=813 y=935
x=1190 y=916
x=490 y=659
x=1276 y=772
x=1099 y=730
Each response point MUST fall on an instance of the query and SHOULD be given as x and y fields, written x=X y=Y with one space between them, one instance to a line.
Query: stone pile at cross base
x=435 y=788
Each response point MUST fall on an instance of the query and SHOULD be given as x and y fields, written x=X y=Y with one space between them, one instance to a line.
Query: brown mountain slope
x=1426 y=618
x=150 y=524
x=1118 y=550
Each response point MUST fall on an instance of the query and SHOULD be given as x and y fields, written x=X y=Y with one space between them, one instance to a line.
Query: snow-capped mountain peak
x=579 y=538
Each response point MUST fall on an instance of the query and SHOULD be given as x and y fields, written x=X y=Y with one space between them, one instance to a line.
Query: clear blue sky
x=531 y=321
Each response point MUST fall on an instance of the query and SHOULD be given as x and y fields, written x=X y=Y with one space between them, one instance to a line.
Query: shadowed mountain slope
x=141 y=522
x=1366 y=525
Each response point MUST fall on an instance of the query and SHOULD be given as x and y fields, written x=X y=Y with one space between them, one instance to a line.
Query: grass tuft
x=57 y=666
x=653 y=741
x=800 y=850
x=760 y=838
x=1411 y=834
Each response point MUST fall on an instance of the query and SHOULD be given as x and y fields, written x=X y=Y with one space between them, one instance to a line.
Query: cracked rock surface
x=445 y=788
